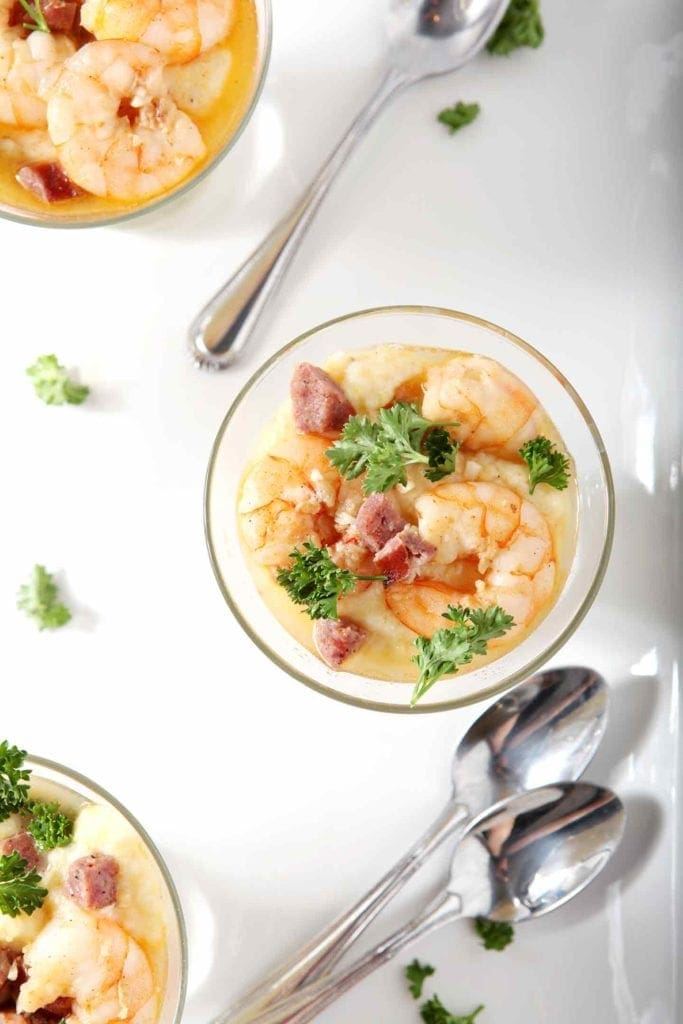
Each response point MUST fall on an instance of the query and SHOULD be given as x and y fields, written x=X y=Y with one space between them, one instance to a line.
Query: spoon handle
x=223 y=327
x=320 y=955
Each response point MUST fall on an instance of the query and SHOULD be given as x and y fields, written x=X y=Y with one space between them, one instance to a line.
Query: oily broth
x=216 y=129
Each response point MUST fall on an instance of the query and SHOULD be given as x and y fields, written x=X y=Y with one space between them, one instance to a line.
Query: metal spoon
x=427 y=37
x=520 y=860
x=545 y=730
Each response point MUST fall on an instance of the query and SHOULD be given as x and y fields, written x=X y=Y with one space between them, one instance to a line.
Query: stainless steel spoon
x=521 y=859
x=427 y=37
x=546 y=730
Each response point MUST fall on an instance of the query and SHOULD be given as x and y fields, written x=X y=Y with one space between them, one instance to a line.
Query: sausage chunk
x=48 y=182
x=402 y=556
x=92 y=881
x=378 y=520
x=60 y=15
x=23 y=844
x=12 y=975
x=337 y=639
x=318 y=403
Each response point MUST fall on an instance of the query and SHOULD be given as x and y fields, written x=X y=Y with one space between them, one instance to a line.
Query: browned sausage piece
x=22 y=843
x=12 y=976
x=60 y=15
x=378 y=520
x=48 y=182
x=318 y=403
x=92 y=881
x=402 y=556
x=337 y=639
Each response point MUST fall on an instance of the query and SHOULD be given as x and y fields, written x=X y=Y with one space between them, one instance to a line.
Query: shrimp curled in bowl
x=29 y=68
x=179 y=29
x=117 y=131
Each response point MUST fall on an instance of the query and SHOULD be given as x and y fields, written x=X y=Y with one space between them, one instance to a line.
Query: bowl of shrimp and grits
x=91 y=930
x=109 y=107
x=409 y=509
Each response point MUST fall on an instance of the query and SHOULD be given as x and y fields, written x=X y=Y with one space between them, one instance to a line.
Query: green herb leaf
x=35 y=12
x=385 y=447
x=49 y=826
x=522 y=25
x=38 y=598
x=434 y=1012
x=494 y=934
x=313 y=580
x=52 y=384
x=20 y=889
x=546 y=464
x=458 y=116
x=417 y=974
x=13 y=780
x=451 y=648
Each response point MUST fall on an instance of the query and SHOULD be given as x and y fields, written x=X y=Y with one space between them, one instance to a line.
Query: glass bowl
x=438 y=328
x=84 y=219
x=176 y=984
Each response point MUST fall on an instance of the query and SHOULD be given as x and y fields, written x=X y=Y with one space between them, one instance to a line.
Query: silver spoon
x=545 y=730
x=520 y=860
x=427 y=37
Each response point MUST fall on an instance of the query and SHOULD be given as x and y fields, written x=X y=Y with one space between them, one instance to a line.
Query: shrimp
x=179 y=29
x=117 y=131
x=504 y=534
x=29 y=68
x=494 y=409
x=93 y=961
x=30 y=145
x=288 y=497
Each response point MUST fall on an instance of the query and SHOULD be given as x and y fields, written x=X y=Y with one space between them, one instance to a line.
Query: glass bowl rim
x=70 y=774
x=266 y=32
x=536 y=663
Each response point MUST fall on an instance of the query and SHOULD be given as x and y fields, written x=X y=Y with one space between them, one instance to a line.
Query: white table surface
x=558 y=214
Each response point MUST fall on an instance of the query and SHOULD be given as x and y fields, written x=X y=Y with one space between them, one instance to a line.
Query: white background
x=558 y=215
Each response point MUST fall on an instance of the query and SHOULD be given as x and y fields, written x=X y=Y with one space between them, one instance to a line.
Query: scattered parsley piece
x=434 y=1012
x=38 y=599
x=458 y=116
x=383 y=448
x=494 y=934
x=417 y=974
x=454 y=646
x=546 y=464
x=522 y=25
x=315 y=581
x=52 y=384
x=20 y=890
x=13 y=780
x=35 y=12
x=49 y=827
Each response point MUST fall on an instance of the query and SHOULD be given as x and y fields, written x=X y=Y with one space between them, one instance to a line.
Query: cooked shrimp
x=494 y=409
x=117 y=131
x=179 y=29
x=28 y=70
x=288 y=496
x=30 y=145
x=93 y=961
x=506 y=535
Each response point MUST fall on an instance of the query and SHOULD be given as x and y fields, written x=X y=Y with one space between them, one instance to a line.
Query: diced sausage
x=337 y=639
x=7 y=959
x=378 y=520
x=60 y=1008
x=48 y=182
x=402 y=556
x=23 y=844
x=318 y=403
x=17 y=15
x=60 y=15
x=92 y=881
x=12 y=975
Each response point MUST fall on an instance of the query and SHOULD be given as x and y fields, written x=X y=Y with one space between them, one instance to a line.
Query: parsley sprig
x=51 y=381
x=38 y=598
x=35 y=12
x=383 y=448
x=458 y=116
x=14 y=779
x=315 y=581
x=417 y=974
x=547 y=465
x=522 y=25
x=494 y=934
x=49 y=827
x=20 y=889
x=434 y=1012
x=454 y=646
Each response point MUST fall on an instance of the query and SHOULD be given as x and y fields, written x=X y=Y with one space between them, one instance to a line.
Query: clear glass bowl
x=48 y=219
x=176 y=984
x=438 y=328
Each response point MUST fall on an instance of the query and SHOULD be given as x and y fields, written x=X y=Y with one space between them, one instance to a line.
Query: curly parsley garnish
x=35 y=12
x=546 y=464
x=315 y=581
x=52 y=384
x=20 y=889
x=384 y=447
x=38 y=598
x=454 y=646
x=494 y=934
x=434 y=1012
x=458 y=116
x=417 y=974
x=14 y=780
x=522 y=25
x=49 y=827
